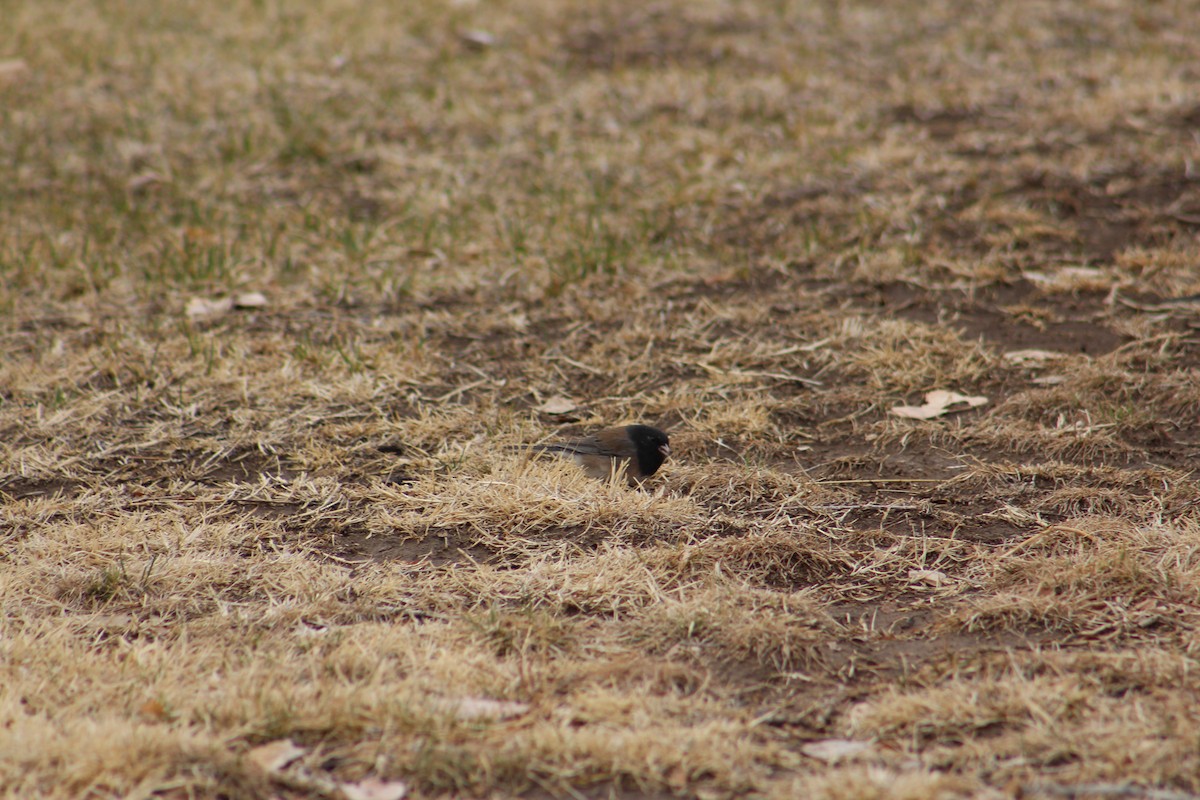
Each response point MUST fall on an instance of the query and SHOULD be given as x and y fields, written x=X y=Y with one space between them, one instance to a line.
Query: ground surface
x=281 y=283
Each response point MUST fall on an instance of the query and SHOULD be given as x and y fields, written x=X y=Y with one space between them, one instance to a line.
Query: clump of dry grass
x=903 y=357
x=735 y=626
x=1096 y=577
x=1070 y=712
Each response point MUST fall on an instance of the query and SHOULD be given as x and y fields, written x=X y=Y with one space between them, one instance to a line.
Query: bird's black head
x=652 y=446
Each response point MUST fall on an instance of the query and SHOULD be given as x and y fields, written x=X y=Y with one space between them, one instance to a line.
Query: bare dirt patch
x=435 y=549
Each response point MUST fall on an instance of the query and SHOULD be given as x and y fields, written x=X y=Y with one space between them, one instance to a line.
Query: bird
x=637 y=451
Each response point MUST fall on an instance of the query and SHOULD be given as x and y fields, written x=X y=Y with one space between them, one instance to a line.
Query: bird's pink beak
x=665 y=449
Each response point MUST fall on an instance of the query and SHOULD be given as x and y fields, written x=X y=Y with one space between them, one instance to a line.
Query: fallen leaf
x=250 y=300
x=937 y=403
x=476 y=39
x=1033 y=358
x=153 y=710
x=1049 y=380
x=274 y=756
x=203 y=307
x=374 y=789
x=834 y=750
x=468 y=708
x=934 y=577
x=1070 y=278
x=558 y=405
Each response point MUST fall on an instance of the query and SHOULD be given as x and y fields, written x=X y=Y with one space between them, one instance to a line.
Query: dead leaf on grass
x=153 y=710
x=1071 y=279
x=934 y=577
x=250 y=300
x=477 y=39
x=558 y=404
x=1031 y=358
x=203 y=307
x=939 y=402
x=374 y=789
x=274 y=756
x=832 y=751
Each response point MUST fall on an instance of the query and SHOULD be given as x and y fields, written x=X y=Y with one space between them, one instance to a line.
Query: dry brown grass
x=760 y=225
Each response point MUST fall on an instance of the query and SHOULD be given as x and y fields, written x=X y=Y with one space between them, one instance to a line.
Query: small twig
x=867 y=507
x=1162 y=305
x=339 y=559
x=738 y=373
x=461 y=389
x=111 y=450
x=573 y=363
x=483 y=374
x=849 y=481
x=802 y=348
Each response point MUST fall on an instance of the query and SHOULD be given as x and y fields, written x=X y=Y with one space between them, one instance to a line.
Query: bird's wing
x=609 y=446
x=611 y=442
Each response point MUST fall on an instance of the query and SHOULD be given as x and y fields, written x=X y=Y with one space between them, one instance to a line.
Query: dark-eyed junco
x=635 y=450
